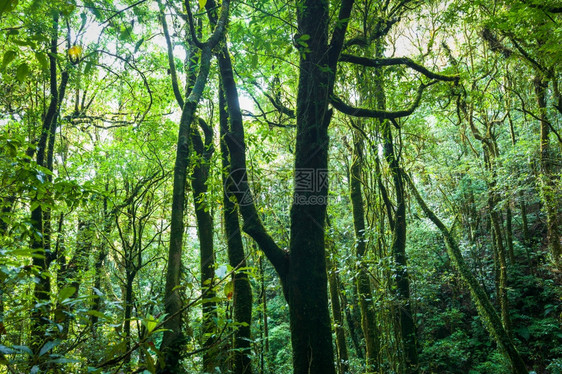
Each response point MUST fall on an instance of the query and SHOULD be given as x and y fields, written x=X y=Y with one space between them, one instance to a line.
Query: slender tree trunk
x=406 y=319
x=40 y=217
x=502 y=267
x=242 y=297
x=173 y=339
x=550 y=195
x=509 y=233
x=368 y=314
x=407 y=325
x=264 y=324
x=98 y=263
x=342 y=356
x=525 y=224
x=479 y=296
x=351 y=316
x=129 y=279
x=205 y=230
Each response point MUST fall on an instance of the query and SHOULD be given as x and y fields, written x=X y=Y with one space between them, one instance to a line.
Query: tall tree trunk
x=303 y=270
x=479 y=296
x=351 y=316
x=98 y=263
x=242 y=297
x=199 y=177
x=173 y=340
x=549 y=194
x=334 y=286
x=406 y=318
x=368 y=314
x=264 y=325
x=40 y=216
x=129 y=279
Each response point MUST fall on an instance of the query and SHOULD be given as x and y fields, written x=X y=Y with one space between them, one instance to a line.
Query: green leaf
x=202 y=4
x=22 y=72
x=6 y=350
x=137 y=46
x=96 y=313
x=23 y=349
x=8 y=57
x=48 y=346
x=150 y=323
x=43 y=61
x=524 y=332
x=66 y=292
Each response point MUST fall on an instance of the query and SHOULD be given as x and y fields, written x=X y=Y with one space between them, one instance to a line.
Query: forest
x=275 y=186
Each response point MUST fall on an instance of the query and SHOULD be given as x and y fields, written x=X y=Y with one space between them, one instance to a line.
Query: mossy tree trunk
x=173 y=339
x=302 y=269
x=479 y=296
x=366 y=304
x=550 y=196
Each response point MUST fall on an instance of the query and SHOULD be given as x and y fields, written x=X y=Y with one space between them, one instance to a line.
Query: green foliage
x=108 y=195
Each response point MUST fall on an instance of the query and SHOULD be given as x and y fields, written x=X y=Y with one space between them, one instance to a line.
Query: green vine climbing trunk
x=368 y=313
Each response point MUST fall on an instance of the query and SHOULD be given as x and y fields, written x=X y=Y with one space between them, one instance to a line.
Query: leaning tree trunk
x=479 y=296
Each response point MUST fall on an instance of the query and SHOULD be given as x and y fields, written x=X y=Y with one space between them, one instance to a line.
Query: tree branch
x=379 y=62
x=380 y=114
x=170 y=50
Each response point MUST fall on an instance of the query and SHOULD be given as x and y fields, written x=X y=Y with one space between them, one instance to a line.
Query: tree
x=173 y=340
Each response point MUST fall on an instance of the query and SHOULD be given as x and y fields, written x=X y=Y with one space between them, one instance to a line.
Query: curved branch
x=338 y=35
x=220 y=28
x=378 y=62
x=173 y=72
x=380 y=114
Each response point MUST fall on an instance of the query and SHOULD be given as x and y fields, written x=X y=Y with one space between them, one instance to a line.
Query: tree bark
x=303 y=270
x=242 y=297
x=550 y=196
x=368 y=314
x=199 y=177
x=40 y=216
x=334 y=286
x=173 y=339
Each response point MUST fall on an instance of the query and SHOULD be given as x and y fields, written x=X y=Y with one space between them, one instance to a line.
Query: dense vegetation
x=190 y=186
